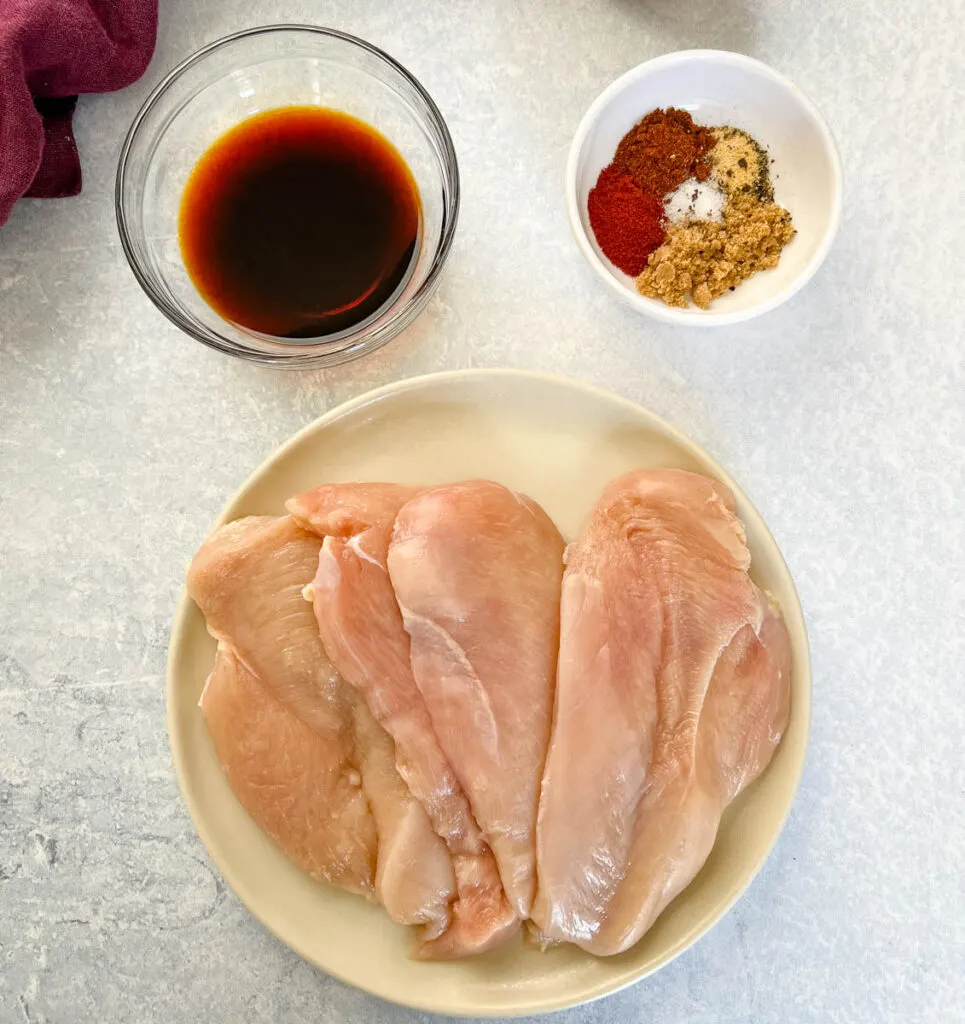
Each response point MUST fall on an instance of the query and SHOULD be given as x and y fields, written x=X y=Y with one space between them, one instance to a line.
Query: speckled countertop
x=842 y=414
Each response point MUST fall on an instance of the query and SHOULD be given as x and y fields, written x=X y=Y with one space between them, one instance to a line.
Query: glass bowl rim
x=375 y=333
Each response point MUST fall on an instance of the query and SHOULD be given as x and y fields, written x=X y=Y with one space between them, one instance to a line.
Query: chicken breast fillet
x=673 y=691
x=362 y=632
x=300 y=749
x=476 y=570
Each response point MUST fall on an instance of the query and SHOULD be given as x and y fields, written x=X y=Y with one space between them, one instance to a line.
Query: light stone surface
x=842 y=414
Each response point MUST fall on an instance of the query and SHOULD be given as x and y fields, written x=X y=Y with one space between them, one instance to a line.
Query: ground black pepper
x=741 y=164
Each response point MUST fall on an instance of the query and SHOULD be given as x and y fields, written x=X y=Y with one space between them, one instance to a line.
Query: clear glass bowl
x=244 y=74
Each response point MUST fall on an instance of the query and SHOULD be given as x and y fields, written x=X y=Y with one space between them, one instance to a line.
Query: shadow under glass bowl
x=245 y=74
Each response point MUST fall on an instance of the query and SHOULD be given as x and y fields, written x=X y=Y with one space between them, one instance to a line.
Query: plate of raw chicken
x=489 y=693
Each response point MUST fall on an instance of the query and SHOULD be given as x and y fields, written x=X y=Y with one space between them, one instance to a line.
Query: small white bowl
x=718 y=88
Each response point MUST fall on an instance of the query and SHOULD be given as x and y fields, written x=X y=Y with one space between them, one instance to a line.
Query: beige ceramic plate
x=559 y=441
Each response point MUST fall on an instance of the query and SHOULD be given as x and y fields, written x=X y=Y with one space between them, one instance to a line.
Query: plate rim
x=802 y=706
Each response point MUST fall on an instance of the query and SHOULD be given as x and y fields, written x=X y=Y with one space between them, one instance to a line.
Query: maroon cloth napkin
x=50 y=50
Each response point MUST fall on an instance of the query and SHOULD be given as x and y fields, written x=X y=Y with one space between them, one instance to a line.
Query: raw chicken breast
x=673 y=691
x=274 y=762
x=301 y=752
x=362 y=632
x=476 y=570
x=414 y=877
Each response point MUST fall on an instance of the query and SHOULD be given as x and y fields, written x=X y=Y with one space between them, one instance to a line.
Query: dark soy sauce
x=299 y=222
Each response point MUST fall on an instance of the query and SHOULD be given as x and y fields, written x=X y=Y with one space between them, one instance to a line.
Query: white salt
x=694 y=200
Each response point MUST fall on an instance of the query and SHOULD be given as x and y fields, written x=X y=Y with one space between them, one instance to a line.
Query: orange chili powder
x=665 y=149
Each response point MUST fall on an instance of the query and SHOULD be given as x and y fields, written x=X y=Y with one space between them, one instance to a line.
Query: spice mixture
x=687 y=210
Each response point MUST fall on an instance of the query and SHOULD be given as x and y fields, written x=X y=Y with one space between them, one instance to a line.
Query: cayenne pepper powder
x=626 y=220
x=665 y=149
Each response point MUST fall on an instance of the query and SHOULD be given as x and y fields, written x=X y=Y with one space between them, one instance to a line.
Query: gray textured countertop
x=841 y=414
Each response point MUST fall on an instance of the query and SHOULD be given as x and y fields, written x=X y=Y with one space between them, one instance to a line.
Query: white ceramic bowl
x=718 y=88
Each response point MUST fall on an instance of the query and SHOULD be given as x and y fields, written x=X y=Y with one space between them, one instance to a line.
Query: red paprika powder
x=626 y=220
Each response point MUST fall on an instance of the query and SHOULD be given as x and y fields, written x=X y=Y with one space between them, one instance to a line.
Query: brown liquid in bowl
x=299 y=222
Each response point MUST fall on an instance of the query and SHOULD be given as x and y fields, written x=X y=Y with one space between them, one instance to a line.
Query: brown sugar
x=703 y=259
